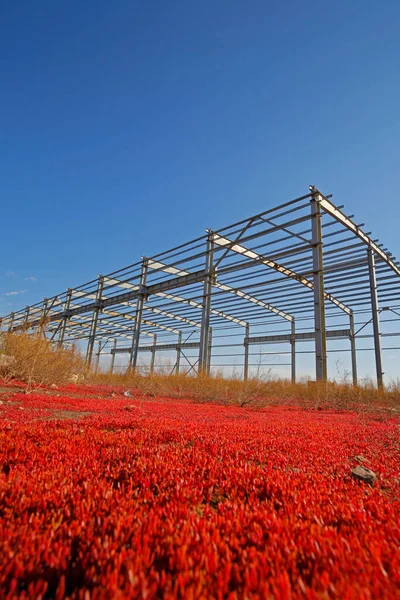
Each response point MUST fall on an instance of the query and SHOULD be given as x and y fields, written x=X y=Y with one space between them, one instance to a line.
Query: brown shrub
x=35 y=360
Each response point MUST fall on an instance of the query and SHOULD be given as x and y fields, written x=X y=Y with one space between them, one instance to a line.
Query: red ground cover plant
x=125 y=498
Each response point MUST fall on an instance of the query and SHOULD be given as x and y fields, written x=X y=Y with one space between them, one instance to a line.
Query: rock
x=127 y=394
x=363 y=474
x=54 y=386
x=360 y=458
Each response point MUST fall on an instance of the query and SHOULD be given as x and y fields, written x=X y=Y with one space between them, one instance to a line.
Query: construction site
x=293 y=291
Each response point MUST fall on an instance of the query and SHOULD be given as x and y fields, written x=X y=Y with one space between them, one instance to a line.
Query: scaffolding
x=302 y=272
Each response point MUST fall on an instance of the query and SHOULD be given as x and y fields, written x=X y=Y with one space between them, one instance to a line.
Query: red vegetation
x=124 y=498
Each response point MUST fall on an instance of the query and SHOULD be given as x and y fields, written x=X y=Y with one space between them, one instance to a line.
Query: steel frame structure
x=290 y=274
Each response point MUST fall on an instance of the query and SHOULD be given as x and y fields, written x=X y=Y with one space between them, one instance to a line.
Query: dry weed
x=37 y=361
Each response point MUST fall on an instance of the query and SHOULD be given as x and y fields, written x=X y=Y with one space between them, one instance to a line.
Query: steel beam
x=165 y=313
x=240 y=249
x=145 y=307
x=375 y=317
x=221 y=286
x=335 y=212
x=160 y=347
x=175 y=282
x=175 y=298
x=304 y=336
x=103 y=330
x=122 y=316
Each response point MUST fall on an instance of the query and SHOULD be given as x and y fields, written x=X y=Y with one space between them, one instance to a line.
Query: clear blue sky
x=128 y=127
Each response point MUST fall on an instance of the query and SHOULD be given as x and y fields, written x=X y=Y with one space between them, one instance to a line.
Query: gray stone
x=363 y=474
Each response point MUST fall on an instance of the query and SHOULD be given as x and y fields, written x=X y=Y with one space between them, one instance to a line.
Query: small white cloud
x=10 y=274
x=30 y=279
x=15 y=293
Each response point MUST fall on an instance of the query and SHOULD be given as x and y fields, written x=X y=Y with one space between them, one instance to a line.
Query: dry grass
x=37 y=361
x=258 y=392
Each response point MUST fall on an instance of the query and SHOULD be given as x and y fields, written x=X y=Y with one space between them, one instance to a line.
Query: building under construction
x=299 y=283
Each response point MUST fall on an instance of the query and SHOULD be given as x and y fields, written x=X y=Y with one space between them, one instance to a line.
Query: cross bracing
x=299 y=268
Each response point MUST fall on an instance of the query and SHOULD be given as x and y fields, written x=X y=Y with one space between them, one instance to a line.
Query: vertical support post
x=26 y=318
x=43 y=316
x=138 y=318
x=153 y=355
x=11 y=323
x=205 y=317
x=113 y=357
x=319 y=292
x=353 y=349
x=64 y=319
x=375 y=317
x=95 y=318
x=246 y=352
x=293 y=351
x=178 y=353
x=209 y=351
x=96 y=368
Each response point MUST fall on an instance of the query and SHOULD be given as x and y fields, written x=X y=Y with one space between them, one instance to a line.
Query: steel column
x=96 y=368
x=43 y=316
x=10 y=326
x=26 y=318
x=293 y=351
x=95 y=318
x=209 y=350
x=138 y=318
x=178 y=353
x=113 y=357
x=246 y=353
x=153 y=354
x=353 y=349
x=375 y=317
x=64 y=319
x=319 y=292
x=205 y=317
